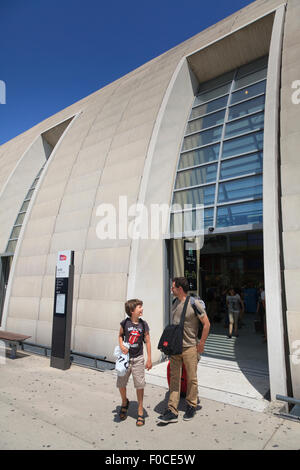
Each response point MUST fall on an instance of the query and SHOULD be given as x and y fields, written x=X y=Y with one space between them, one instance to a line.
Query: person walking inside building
x=134 y=330
x=190 y=351
x=235 y=305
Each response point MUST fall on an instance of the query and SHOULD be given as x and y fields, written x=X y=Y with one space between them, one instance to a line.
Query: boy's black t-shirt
x=134 y=335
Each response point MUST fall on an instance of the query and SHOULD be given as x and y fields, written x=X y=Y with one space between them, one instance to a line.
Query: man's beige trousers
x=190 y=359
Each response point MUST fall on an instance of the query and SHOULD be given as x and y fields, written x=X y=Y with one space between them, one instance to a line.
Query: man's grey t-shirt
x=233 y=302
x=191 y=323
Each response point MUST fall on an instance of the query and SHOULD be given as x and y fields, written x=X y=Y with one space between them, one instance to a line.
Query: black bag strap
x=184 y=312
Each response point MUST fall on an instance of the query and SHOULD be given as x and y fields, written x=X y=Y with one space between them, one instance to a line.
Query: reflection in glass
x=247 y=107
x=204 y=122
x=241 y=165
x=248 y=92
x=204 y=195
x=209 y=107
x=210 y=95
x=247 y=143
x=203 y=138
x=244 y=125
x=199 y=156
x=240 y=214
x=252 y=78
x=240 y=189
x=196 y=176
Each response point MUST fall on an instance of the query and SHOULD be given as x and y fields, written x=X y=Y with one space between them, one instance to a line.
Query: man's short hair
x=182 y=282
x=131 y=305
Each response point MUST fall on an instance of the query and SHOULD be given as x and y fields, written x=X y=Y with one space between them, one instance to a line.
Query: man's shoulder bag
x=171 y=340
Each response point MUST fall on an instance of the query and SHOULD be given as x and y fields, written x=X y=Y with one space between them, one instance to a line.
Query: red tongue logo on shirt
x=134 y=336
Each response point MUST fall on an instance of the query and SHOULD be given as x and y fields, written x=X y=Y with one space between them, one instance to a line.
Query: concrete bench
x=13 y=340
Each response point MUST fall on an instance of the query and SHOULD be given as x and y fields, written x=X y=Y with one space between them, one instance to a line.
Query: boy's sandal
x=123 y=411
x=140 y=421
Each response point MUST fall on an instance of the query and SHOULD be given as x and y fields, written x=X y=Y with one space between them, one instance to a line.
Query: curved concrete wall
x=124 y=141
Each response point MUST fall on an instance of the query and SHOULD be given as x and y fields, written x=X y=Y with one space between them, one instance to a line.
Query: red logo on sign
x=62 y=257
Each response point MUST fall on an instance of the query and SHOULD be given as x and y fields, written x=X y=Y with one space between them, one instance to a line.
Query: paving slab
x=46 y=408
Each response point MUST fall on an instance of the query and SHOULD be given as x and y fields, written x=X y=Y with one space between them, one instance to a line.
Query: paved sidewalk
x=45 y=408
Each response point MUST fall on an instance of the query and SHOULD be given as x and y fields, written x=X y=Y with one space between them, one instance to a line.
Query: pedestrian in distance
x=134 y=330
x=235 y=305
x=189 y=356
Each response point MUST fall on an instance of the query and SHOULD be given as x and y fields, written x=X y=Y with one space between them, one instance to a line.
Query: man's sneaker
x=190 y=413
x=168 y=417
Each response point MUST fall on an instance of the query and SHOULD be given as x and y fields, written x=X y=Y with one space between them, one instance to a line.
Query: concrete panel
x=100 y=314
x=27 y=286
x=289 y=148
x=132 y=135
x=30 y=265
x=291 y=249
x=24 y=307
x=78 y=201
x=71 y=221
x=295 y=372
x=45 y=209
x=293 y=322
x=83 y=183
x=290 y=175
x=96 y=341
x=292 y=283
x=68 y=241
x=50 y=193
x=35 y=246
x=290 y=207
x=290 y=116
x=39 y=227
x=44 y=333
x=46 y=310
x=128 y=152
x=94 y=242
x=22 y=326
x=88 y=166
x=123 y=170
x=111 y=287
x=106 y=260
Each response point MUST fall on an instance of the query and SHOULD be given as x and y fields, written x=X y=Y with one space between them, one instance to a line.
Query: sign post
x=62 y=311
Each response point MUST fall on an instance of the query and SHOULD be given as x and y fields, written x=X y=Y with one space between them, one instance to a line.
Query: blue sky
x=53 y=53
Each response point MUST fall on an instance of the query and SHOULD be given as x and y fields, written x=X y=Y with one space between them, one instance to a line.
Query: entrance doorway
x=239 y=365
x=5 y=265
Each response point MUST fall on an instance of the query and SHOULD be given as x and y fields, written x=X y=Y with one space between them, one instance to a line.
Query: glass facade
x=221 y=160
x=12 y=242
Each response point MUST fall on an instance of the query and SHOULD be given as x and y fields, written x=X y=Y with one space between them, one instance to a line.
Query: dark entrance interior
x=228 y=260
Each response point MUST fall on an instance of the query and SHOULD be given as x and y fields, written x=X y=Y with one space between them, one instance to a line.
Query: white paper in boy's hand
x=122 y=361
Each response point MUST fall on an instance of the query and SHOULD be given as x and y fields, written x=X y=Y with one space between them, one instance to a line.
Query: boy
x=134 y=330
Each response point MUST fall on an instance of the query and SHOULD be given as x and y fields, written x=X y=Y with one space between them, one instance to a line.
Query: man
x=189 y=354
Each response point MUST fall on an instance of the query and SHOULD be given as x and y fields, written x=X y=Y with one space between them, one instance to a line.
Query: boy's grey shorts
x=137 y=368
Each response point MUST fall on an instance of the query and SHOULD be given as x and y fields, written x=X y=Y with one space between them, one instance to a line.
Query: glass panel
x=189 y=220
x=240 y=189
x=240 y=214
x=34 y=183
x=11 y=246
x=196 y=157
x=241 y=165
x=247 y=107
x=20 y=218
x=24 y=206
x=244 y=125
x=211 y=95
x=204 y=195
x=252 y=67
x=16 y=232
x=209 y=107
x=203 y=138
x=196 y=176
x=247 y=143
x=252 y=78
x=216 y=82
x=208 y=217
x=248 y=92
x=207 y=121
x=29 y=194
